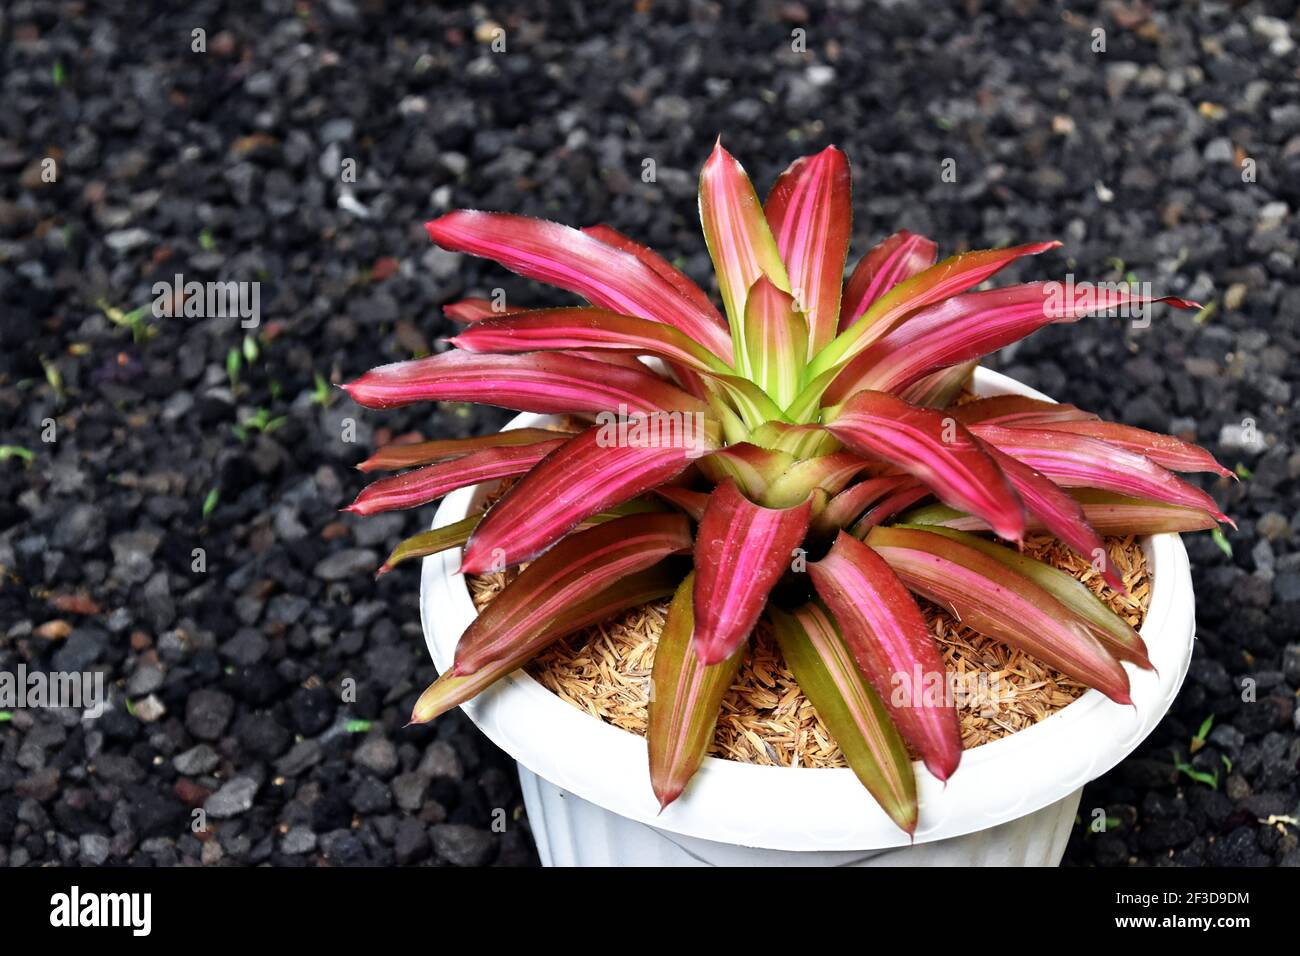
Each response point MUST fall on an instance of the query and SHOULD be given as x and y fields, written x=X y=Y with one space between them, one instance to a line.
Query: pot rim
x=813 y=809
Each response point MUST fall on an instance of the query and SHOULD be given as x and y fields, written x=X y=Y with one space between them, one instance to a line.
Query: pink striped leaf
x=1076 y=461
x=566 y=258
x=935 y=449
x=985 y=594
x=474 y=310
x=686 y=288
x=452 y=689
x=940 y=389
x=413 y=454
x=895 y=259
x=687 y=696
x=777 y=339
x=954 y=275
x=753 y=469
x=691 y=502
x=844 y=507
x=411 y=489
x=562 y=578
x=1059 y=513
x=551 y=383
x=1164 y=450
x=967 y=327
x=1108 y=513
x=589 y=473
x=828 y=675
x=1114 y=632
x=810 y=212
x=455 y=535
x=831 y=473
x=892 y=504
x=893 y=647
x=741 y=551
x=1016 y=410
x=553 y=329
x=739 y=240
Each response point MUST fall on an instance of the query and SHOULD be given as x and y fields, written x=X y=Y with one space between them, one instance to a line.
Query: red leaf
x=991 y=598
x=591 y=472
x=555 y=329
x=896 y=259
x=548 y=589
x=413 y=454
x=551 y=383
x=934 y=448
x=675 y=277
x=888 y=636
x=1075 y=461
x=412 y=489
x=568 y=259
x=810 y=212
x=741 y=551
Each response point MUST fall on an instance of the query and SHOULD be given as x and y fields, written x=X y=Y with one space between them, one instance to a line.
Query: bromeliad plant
x=824 y=422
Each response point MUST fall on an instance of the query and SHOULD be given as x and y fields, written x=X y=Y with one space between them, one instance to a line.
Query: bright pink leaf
x=894 y=260
x=934 y=448
x=889 y=639
x=986 y=595
x=568 y=259
x=810 y=212
x=412 y=489
x=741 y=551
x=1076 y=461
x=591 y=472
x=551 y=383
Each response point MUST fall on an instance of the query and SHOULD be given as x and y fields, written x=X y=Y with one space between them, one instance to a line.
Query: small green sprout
x=206 y=242
x=1219 y=538
x=1199 y=740
x=141 y=331
x=357 y=726
x=210 y=502
x=321 y=393
x=1211 y=780
x=15 y=451
x=234 y=363
x=260 y=422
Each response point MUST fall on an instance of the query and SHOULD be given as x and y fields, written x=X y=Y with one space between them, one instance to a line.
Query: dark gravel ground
x=270 y=689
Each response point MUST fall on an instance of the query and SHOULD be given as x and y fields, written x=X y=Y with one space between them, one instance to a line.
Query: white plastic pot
x=1011 y=802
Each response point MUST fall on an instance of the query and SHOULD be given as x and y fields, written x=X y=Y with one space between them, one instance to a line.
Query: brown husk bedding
x=605 y=670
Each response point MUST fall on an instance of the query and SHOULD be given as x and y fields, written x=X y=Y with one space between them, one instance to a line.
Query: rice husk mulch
x=765 y=719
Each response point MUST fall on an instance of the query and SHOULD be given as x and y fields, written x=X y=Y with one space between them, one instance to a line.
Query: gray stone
x=94 y=848
x=350 y=562
x=462 y=845
x=378 y=755
x=197 y=760
x=207 y=712
x=299 y=839
x=441 y=760
x=234 y=798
